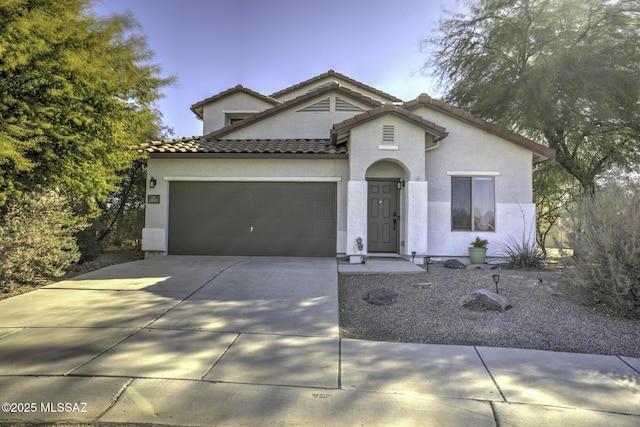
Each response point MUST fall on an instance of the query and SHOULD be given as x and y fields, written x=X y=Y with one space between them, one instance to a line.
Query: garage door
x=252 y=218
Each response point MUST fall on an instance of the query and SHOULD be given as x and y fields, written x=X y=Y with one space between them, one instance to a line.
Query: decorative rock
x=423 y=285
x=455 y=264
x=381 y=296
x=483 y=299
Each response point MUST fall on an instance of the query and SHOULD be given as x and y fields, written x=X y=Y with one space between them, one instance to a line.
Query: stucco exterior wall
x=213 y=114
x=165 y=170
x=470 y=151
x=294 y=123
x=404 y=159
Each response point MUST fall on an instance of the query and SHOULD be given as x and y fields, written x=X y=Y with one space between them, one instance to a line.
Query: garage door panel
x=252 y=218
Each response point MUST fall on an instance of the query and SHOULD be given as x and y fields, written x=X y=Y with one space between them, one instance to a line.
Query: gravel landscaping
x=547 y=314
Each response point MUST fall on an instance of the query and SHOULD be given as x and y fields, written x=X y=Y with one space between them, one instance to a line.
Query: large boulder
x=381 y=296
x=455 y=264
x=483 y=300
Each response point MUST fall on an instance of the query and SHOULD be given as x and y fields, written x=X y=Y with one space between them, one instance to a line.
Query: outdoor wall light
x=152 y=182
x=413 y=256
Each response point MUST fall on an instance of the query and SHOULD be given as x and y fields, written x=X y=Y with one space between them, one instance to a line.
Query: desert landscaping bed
x=547 y=314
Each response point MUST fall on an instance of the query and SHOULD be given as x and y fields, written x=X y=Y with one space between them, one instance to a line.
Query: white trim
x=472 y=173
x=255 y=178
x=388 y=147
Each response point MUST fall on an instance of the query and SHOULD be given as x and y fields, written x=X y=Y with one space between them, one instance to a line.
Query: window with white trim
x=473 y=206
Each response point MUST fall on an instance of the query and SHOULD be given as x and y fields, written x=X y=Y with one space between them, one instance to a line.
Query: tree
x=554 y=193
x=75 y=93
x=566 y=72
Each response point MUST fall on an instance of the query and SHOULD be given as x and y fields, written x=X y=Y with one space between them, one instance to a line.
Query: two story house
x=333 y=167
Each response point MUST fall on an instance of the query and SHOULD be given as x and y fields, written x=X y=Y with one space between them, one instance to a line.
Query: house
x=334 y=167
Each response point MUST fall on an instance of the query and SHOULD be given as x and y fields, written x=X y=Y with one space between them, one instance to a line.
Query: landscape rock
x=483 y=300
x=381 y=296
x=455 y=264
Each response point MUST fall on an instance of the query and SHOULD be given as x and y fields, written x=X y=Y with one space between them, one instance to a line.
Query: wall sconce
x=152 y=182
x=400 y=184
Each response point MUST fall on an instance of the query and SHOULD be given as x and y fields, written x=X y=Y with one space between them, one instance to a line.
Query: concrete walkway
x=254 y=341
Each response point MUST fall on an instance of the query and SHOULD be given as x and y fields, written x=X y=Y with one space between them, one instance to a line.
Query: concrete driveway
x=252 y=341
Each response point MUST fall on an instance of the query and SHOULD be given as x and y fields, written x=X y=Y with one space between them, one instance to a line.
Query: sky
x=268 y=45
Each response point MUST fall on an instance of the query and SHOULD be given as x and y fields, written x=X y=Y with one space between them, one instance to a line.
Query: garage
x=252 y=218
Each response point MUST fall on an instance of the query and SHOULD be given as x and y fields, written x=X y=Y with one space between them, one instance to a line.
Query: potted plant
x=478 y=251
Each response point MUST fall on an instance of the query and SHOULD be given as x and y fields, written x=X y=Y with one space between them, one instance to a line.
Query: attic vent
x=387 y=133
x=342 y=105
x=324 y=105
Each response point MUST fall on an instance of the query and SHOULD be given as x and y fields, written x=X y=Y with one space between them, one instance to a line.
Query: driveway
x=242 y=340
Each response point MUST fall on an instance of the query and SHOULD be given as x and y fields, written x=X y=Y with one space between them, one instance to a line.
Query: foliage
x=37 y=238
x=522 y=253
x=563 y=71
x=122 y=215
x=554 y=193
x=479 y=243
x=606 y=242
x=77 y=92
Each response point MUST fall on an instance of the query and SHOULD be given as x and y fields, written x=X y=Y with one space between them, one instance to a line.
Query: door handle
x=395 y=221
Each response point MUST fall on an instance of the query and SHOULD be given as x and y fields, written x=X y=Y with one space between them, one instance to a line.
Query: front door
x=383 y=216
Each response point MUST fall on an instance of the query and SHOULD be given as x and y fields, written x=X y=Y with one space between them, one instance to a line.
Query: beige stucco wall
x=213 y=114
x=404 y=158
x=294 y=123
x=164 y=170
x=471 y=150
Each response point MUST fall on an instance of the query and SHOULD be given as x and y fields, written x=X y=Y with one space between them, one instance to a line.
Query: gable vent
x=342 y=105
x=324 y=105
x=388 y=133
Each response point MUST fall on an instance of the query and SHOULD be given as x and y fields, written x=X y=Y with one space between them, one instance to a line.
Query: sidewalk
x=246 y=341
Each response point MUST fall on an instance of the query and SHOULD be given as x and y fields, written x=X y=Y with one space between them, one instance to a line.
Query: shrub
x=37 y=238
x=606 y=243
x=522 y=253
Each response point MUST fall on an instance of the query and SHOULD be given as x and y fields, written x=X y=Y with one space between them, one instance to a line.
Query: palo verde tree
x=564 y=72
x=555 y=193
x=76 y=91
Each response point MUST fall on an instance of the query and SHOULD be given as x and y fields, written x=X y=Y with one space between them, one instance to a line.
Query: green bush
x=37 y=238
x=606 y=244
x=521 y=253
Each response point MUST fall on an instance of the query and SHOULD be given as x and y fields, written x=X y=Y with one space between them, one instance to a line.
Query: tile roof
x=374 y=113
x=332 y=73
x=426 y=101
x=197 y=107
x=333 y=87
x=245 y=146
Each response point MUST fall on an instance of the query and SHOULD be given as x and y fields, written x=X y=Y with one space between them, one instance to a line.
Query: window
x=231 y=117
x=473 y=203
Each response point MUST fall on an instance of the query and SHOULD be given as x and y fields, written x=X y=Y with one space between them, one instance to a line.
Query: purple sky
x=268 y=45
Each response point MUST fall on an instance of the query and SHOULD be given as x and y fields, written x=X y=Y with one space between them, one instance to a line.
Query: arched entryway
x=385 y=206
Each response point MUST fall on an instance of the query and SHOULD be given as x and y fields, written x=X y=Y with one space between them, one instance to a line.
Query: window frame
x=472 y=177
